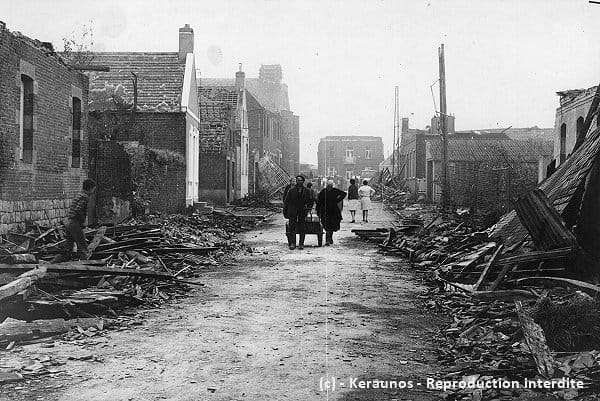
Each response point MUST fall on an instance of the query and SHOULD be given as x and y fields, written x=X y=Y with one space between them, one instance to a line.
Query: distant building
x=345 y=157
x=272 y=94
x=265 y=133
x=485 y=174
x=224 y=139
x=570 y=117
x=413 y=142
x=43 y=141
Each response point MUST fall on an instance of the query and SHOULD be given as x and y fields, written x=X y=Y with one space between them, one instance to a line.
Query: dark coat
x=296 y=203
x=328 y=209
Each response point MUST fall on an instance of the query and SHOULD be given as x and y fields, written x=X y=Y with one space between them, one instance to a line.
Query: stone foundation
x=15 y=215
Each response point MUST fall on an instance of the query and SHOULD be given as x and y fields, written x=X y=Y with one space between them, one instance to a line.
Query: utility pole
x=443 y=126
x=394 y=156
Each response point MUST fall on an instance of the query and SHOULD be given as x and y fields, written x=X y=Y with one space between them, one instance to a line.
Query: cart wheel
x=320 y=239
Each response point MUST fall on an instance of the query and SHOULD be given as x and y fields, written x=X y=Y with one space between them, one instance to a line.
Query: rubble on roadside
x=145 y=261
x=521 y=294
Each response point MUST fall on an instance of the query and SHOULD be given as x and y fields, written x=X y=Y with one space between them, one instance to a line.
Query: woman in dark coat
x=329 y=211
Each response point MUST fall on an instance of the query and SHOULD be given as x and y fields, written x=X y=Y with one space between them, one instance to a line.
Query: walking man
x=328 y=209
x=295 y=208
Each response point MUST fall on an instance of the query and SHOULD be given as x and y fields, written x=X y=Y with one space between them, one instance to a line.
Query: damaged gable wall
x=39 y=191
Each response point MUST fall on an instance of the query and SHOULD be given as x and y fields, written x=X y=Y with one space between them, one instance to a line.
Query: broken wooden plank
x=543 y=223
x=487 y=267
x=22 y=282
x=504 y=294
x=79 y=268
x=95 y=241
x=536 y=340
x=18 y=330
x=499 y=277
x=536 y=256
x=594 y=289
x=184 y=249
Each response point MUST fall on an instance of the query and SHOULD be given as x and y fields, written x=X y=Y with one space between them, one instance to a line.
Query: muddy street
x=277 y=324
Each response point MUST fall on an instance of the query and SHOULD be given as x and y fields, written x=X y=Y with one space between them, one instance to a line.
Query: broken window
x=76 y=140
x=26 y=128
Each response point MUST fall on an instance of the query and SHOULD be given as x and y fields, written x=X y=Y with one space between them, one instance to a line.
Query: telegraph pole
x=443 y=126
x=394 y=155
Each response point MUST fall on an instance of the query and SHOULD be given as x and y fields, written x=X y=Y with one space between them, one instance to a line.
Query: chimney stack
x=240 y=79
x=404 y=131
x=186 y=42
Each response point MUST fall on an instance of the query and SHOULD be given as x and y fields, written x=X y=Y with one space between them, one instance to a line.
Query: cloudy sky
x=342 y=59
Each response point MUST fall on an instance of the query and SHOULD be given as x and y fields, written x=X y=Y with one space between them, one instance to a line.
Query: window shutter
x=35 y=88
x=35 y=123
x=18 y=79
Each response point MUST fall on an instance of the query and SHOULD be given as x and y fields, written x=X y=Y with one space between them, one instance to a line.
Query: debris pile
x=146 y=261
x=519 y=293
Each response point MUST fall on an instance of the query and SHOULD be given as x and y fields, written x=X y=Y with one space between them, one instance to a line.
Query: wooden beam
x=536 y=256
x=488 y=266
x=561 y=280
x=90 y=270
x=22 y=282
x=536 y=340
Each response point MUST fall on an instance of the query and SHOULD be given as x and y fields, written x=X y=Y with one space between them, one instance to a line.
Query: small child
x=76 y=219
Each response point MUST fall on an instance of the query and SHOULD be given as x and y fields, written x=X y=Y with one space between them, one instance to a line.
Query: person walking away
x=288 y=187
x=295 y=208
x=353 y=201
x=329 y=211
x=364 y=193
x=313 y=195
x=76 y=219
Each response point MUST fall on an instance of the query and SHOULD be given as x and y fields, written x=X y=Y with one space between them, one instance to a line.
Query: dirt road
x=277 y=325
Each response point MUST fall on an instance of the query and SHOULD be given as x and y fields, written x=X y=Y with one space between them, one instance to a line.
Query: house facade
x=43 y=115
x=569 y=120
x=344 y=157
x=149 y=100
x=224 y=139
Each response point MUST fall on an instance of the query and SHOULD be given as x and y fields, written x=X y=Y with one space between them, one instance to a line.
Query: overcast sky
x=341 y=59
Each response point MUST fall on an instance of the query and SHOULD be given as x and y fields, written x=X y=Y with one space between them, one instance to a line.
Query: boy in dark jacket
x=76 y=219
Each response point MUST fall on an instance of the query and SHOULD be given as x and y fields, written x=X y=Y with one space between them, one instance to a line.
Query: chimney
x=186 y=42
x=240 y=79
x=404 y=131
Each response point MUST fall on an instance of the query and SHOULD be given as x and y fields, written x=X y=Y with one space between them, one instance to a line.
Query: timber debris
x=142 y=262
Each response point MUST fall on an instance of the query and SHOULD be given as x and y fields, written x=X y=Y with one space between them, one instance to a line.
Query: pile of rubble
x=145 y=261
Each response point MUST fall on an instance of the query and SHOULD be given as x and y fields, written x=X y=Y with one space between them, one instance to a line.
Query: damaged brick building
x=147 y=101
x=43 y=142
x=224 y=143
x=570 y=116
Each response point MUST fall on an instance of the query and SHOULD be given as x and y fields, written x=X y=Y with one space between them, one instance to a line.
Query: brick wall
x=39 y=191
x=159 y=130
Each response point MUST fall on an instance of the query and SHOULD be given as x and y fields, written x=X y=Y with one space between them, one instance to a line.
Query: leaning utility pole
x=443 y=126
